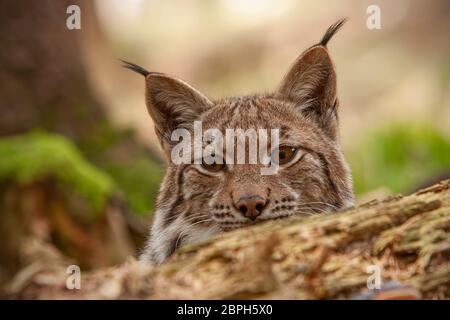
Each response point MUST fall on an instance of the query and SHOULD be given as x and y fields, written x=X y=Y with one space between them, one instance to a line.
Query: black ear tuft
x=135 y=68
x=332 y=31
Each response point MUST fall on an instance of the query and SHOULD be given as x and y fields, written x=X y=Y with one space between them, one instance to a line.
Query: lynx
x=199 y=200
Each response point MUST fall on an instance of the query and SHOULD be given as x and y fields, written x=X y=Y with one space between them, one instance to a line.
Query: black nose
x=251 y=206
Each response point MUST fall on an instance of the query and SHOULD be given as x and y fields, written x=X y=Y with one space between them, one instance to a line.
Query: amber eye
x=214 y=167
x=286 y=154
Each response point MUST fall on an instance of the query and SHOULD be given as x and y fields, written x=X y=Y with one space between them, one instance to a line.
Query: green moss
x=105 y=137
x=129 y=164
x=139 y=179
x=35 y=156
x=399 y=157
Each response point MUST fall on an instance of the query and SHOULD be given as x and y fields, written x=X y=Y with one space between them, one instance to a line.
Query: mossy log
x=316 y=257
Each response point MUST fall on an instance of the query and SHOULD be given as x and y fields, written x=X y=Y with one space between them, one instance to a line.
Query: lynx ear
x=311 y=84
x=172 y=103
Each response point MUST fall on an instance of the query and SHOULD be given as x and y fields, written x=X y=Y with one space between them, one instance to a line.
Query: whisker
x=313 y=210
x=320 y=202
x=195 y=217
x=186 y=218
x=309 y=213
x=202 y=221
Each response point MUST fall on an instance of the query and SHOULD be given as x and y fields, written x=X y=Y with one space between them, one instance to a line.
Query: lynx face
x=197 y=201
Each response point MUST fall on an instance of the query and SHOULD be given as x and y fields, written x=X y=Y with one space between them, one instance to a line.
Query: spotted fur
x=194 y=204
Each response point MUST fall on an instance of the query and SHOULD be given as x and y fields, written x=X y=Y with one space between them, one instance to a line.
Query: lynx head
x=200 y=199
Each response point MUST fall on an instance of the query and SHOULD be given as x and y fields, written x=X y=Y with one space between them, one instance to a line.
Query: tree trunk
x=317 y=257
x=44 y=86
x=43 y=78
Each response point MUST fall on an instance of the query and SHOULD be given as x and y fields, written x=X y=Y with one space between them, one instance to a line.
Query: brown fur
x=194 y=203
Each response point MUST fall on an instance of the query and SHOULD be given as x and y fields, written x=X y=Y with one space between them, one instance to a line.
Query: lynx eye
x=286 y=154
x=214 y=167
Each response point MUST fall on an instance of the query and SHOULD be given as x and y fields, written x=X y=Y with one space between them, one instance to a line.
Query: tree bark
x=44 y=86
x=318 y=257
x=43 y=78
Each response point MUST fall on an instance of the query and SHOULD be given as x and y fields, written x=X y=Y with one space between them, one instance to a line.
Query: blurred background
x=79 y=163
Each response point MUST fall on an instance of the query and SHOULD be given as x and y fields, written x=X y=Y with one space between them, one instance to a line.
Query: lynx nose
x=251 y=206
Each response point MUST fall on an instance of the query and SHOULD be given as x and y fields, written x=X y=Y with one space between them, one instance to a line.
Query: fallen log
x=323 y=256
